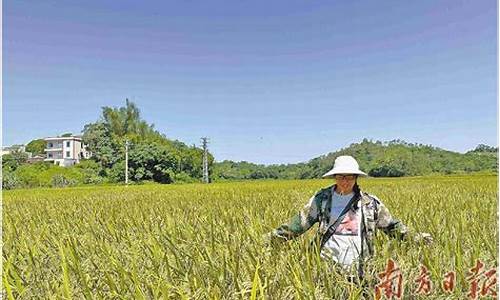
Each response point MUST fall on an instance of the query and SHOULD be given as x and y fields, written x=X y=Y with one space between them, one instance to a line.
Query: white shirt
x=344 y=246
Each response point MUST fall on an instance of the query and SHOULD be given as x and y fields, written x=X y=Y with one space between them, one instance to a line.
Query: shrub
x=90 y=170
x=183 y=177
x=59 y=180
x=10 y=181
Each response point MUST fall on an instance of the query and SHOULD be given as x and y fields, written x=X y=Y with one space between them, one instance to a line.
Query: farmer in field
x=348 y=218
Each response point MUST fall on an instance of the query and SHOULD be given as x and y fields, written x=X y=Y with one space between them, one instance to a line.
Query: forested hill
x=379 y=159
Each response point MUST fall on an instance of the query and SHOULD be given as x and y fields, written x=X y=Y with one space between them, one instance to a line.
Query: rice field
x=199 y=241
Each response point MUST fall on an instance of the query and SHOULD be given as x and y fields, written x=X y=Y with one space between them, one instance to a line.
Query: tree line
x=394 y=158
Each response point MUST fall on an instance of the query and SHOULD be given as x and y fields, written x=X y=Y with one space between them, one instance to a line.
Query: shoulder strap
x=327 y=205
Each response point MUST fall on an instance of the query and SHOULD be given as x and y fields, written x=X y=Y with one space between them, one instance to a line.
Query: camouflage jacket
x=374 y=215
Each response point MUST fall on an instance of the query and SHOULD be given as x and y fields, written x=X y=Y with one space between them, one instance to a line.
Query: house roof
x=63 y=138
x=12 y=148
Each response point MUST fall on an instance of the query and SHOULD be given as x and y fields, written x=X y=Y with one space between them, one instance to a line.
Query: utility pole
x=204 y=140
x=126 y=161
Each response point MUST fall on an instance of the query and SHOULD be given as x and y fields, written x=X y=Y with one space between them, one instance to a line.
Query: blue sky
x=266 y=81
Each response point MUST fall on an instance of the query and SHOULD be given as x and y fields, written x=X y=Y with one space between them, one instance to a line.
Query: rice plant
x=199 y=241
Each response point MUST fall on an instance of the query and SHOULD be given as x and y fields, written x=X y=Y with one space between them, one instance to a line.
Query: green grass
x=198 y=241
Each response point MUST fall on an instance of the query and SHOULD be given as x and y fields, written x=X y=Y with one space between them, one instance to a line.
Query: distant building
x=35 y=159
x=65 y=151
x=15 y=148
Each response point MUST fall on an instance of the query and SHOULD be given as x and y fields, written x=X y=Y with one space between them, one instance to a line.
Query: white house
x=65 y=151
x=15 y=148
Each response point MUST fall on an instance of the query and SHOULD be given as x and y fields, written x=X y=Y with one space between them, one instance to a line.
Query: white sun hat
x=344 y=164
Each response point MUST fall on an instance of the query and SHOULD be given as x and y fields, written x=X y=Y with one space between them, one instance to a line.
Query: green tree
x=152 y=161
x=485 y=148
x=152 y=156
x=99 y=141
x=36 y=147
x=126 y=120
x=12 y=161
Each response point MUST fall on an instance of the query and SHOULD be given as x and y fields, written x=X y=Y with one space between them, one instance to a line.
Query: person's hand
x=270 y=240
x=424 y=237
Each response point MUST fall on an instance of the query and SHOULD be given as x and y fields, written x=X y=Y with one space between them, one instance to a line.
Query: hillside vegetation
x=379 y=159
